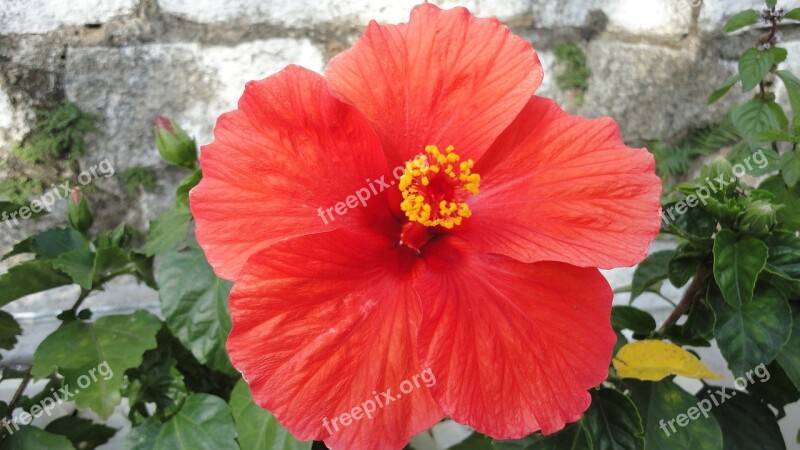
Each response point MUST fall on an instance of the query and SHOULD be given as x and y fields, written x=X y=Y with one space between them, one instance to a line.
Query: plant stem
x=84 y=295
x=686 y=303
x=26 y=379
x=770 y=41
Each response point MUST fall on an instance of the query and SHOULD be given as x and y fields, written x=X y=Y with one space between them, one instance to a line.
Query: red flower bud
x=174 y=145
x=79 y=212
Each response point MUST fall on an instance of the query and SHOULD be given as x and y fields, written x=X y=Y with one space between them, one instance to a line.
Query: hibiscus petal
x=514 y=346
x=445 y=78
x=556 y=187
x=288 y=150
x=326 y=323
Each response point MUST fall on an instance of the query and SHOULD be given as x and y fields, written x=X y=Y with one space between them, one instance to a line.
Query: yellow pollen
x=435 y=186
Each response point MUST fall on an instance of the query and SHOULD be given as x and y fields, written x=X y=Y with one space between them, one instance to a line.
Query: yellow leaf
x=653 y=360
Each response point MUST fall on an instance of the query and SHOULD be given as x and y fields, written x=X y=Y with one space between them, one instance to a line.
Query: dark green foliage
x=136 y=177
x=678 y=158
x=576 y=73
x=58 y=133
x=18 y=189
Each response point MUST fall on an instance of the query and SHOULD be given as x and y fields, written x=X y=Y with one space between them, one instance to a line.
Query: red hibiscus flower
x=416 y=235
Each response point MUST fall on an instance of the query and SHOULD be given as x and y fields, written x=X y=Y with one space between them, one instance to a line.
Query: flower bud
x=758 y=218
x=719 y=173
x=78 y=211
x=174 y=144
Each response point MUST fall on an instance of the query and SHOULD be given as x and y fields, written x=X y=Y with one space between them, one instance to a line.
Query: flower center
x=435 y=187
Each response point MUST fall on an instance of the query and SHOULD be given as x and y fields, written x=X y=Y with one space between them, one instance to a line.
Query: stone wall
x=653 y=64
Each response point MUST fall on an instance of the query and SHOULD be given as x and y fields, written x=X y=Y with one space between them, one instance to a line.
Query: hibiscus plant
x=415 y=237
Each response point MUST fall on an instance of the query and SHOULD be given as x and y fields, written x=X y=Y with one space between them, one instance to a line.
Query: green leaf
x=671 y=160
x=777 y=390
x=723 y=211
x=743 y=153
x=793 y=14
x=778 y=54
x=741 y=20
x=157 y=381
x=774 y=136
x=28 y=278
x=763 y=195
x=634 y=319
x=737 y=264
x=651 y=271
x=719 y=93
x=9 y=330
x=790 y=168
x=32 y=438
x=197 y=377
x=696 y=222
x=118 y=237
x=780 y=115
x=9 y=207
x=747 y=424
x=754 y=117
x=754 y=65
x=182 y=194
x=575 y=436
x=146 y=435
x=789 y=215
x=789 y=357
x=167 y=230
x=784 y=253
x=194 y=302
x=204 y=423
x=92 y=269
x=475 y=441
x=100 y=352
x=681 y=270
x=513 y=444
x=83 y=433
x=700 y=322
x=257 y=428
x=142 y=266
x=771 y=3
x=684 y=263
x=79 y=265
x=663 y=407
x=788 y=286
x=28 y=402
x=613 y=421
x=755 y=333
x=110 y=261
x=50 y=243
x=792 y=84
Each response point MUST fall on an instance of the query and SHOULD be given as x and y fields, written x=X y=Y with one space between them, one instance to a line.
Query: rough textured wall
x=653 y=64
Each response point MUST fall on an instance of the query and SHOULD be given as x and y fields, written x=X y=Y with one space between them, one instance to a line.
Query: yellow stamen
x=419 y=195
